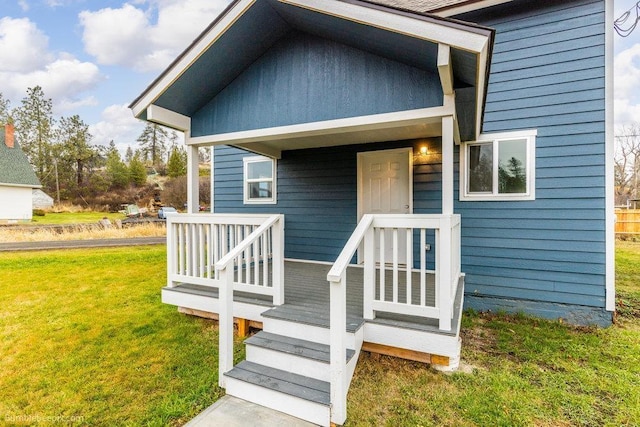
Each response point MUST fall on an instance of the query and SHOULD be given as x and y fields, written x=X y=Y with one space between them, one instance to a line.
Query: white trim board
x=256 y=140
x=610 y=278
x=190 y=56
x=396 y=23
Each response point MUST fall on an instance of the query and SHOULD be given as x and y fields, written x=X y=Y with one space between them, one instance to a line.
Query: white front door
x=384 y=187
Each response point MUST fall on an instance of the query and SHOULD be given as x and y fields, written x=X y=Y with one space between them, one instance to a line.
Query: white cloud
x=26 y=61
x=127 y=36
x=115 y=36
x=120 y=126
x=23 y=46
x=117 y=125
x=627 y=82
x=23 y=5
x=63 y=80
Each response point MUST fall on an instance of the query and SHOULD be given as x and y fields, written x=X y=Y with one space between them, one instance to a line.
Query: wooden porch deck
x=306 y=293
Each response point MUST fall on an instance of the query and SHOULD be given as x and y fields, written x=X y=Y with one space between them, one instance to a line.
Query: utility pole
x=55 y=165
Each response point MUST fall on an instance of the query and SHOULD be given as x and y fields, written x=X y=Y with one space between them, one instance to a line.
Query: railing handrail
x=248 y=241
x=227 y=219
x=350 y=248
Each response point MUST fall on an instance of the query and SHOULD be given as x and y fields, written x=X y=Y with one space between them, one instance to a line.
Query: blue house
x=377 y=167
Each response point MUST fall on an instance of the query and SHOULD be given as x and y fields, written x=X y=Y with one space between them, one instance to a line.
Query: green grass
x=628 y=278
x=524 y=372
x=84 y=336
x=74 y=217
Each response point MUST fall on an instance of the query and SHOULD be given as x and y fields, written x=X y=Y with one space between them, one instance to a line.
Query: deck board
x=306 y=291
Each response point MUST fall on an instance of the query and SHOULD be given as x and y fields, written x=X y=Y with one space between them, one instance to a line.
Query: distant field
x=75 y=217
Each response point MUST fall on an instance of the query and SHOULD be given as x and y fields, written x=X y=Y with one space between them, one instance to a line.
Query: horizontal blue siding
x=547 y=73
x=316 y=191
x=545 y=256
x=304 y=79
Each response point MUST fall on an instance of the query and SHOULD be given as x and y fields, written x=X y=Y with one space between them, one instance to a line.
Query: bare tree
x=627 y=163
x=4 y=110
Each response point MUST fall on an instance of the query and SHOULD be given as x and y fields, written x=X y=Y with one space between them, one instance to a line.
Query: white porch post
x=213 y=180
x=447 y=165
x=193 y=178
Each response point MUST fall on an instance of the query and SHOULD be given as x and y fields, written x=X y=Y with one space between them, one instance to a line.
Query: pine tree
x=34 y=123
x=137 y=172
x=153 y=143
x=74 y=137
x=117 y=171
x=128 y=156
x=177 y=164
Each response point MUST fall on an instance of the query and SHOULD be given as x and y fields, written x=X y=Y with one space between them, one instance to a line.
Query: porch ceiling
x=249 y=28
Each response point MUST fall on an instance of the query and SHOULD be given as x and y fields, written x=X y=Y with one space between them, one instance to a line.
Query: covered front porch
x=234 y=267
x=339 y=99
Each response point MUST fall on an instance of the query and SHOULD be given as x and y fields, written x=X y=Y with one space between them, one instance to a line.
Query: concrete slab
x=230 y=411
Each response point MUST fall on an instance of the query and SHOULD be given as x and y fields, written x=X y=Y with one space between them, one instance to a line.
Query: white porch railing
x=229 y=252
x=196 y=242
x=394 y=234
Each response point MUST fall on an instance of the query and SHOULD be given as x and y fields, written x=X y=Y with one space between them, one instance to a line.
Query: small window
x=499 y=167
x=259 y=180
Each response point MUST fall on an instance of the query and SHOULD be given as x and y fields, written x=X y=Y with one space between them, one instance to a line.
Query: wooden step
x=298 y=347
x=292 y=354
x=294 y=394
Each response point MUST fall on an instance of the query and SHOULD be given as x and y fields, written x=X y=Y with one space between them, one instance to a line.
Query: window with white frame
x=259 y=180
x=499 y=167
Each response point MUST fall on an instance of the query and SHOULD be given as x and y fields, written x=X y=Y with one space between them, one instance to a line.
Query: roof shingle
x=422 y=6
x=15 y=168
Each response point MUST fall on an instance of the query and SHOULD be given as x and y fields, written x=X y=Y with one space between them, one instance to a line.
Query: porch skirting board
x=571 y=313
x=208 y=304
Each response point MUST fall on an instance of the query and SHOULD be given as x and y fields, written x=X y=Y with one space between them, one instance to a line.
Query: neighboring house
x=454 y=153
x=41 y=200
x=17 y=179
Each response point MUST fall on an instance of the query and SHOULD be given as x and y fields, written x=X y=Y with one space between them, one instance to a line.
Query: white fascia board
x=4 y=184
x=445 y=70
x=191 y=56
x=401 y=24
x=168 y=118
x=457 y=10
x=610 y=271
x=481 y=86
x=327 y=127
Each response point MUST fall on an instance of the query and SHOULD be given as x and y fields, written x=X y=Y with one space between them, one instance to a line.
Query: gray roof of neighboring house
x=15 y=168
x=423 y=6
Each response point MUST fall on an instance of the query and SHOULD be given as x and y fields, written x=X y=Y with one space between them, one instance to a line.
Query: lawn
x=56 y=218
x=85 y=340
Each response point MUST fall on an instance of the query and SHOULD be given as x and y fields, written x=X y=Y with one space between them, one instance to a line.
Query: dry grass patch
x=80 y=232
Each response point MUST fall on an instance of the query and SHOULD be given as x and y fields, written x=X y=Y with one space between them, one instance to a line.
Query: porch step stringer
x=291 y=374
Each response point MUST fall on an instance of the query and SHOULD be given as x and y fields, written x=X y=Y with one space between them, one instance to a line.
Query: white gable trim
x=401 y=24
x=191 y=56
x=168 y=118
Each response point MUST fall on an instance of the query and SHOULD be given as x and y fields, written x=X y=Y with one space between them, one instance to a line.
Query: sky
x=92 y=58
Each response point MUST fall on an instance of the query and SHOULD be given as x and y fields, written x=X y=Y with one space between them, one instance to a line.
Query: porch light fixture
x=424 y=150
